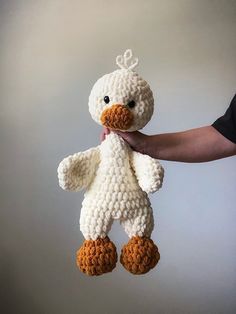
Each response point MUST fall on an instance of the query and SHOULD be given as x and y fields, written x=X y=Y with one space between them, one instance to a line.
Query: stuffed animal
x=116 y=178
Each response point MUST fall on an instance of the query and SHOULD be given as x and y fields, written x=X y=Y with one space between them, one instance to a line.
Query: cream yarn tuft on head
x=122 y=61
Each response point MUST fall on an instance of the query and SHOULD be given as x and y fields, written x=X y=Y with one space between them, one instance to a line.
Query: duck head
x=122 y=100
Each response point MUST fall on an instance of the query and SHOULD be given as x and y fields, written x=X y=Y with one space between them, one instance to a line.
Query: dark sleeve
x=226 y=124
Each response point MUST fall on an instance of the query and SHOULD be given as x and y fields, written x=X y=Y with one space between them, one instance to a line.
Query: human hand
x=105 y=132
x=137 y=140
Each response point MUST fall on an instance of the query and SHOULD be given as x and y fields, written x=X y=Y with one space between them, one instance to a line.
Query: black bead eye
x=131 y=104
x=106 y=99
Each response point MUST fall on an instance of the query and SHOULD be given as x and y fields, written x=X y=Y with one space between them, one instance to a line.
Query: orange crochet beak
x=117 y=117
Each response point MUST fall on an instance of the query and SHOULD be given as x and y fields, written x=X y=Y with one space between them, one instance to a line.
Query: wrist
x=151 y=148
x=145 y=144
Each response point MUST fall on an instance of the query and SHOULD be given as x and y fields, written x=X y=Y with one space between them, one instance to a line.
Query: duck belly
x=114 y=192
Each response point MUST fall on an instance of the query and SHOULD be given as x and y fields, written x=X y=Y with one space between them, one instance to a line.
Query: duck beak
x=117 y=117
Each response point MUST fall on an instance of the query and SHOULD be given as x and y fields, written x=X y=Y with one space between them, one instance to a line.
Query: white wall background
x=51 y=53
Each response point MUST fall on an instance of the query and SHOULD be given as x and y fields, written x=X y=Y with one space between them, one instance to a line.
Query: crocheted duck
x=116 y=178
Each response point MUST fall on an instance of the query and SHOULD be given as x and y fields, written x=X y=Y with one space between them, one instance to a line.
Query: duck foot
x=139 y=255
x=97 y=257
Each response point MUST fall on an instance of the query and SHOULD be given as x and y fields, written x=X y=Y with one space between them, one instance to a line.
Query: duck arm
x=149 y=172
x=76 y=172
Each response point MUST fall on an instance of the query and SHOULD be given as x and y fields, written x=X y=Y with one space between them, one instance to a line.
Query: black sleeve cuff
x=226 y=124
x=222 y=129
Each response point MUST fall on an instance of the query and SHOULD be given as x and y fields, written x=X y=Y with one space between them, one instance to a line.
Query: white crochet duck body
x=115 y=192
x=116 y=178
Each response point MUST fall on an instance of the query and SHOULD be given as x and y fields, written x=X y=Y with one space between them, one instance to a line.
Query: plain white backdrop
x=51 y=53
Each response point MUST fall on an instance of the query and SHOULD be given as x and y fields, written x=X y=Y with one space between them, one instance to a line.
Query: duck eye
x=106 y=99
x=131 y=104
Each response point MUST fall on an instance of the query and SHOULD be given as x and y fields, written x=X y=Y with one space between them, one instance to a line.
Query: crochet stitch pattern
x=139 y=255
x=117 y=117
x=116 y=179
x=97 y=257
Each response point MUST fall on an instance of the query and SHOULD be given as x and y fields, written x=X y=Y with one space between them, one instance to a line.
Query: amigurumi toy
x=116 y=178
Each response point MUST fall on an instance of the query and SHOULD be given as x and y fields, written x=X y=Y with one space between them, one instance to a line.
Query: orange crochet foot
x=139 y=255
x=97 y=257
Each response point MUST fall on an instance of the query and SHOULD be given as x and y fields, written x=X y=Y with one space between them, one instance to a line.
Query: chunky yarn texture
x=117 y=179
x=139 y=255
x=117 y=117
x=97 y=257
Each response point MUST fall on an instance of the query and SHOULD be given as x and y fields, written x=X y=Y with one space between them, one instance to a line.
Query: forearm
x=196 y=145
